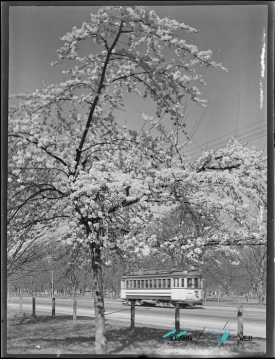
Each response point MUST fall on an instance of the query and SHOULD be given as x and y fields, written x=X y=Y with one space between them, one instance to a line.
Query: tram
x=163 y=288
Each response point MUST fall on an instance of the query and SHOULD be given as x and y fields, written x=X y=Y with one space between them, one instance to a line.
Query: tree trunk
x=100 y=338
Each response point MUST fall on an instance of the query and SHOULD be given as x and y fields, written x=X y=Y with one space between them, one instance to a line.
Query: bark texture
x=100 y=338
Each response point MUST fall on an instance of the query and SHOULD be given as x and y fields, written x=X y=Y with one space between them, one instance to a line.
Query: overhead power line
x=261 y=132
x=229 y=133
x=251 y=137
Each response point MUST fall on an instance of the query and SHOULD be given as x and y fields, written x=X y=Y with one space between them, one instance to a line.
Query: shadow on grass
x=124 y=337
x=60 y=318
x=150 y=339
x=23 y=318
x=79 y=336
x=70 y=340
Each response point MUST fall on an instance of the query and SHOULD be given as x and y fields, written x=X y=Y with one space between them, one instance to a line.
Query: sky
x=235 y=33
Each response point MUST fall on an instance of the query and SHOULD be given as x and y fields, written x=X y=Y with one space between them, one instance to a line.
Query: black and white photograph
x=139 y=189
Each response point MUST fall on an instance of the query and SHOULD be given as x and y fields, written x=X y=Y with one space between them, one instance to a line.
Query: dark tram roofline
x=178 y=271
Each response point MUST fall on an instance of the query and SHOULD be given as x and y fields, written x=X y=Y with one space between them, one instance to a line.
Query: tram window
x=182 y=282
x=150 y=283
x=168 y=283
x=142 y=283
x=164 y=283
x=134 y=284
x=176 y=282
x=127 y=284
x=138 y=283
x=146 y=283
x=123 y=284
x=196 y=283
x=189 y=282
x=159 y=283
x=155 y=283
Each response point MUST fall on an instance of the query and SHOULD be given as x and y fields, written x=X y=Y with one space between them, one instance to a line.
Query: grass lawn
x=44 y=335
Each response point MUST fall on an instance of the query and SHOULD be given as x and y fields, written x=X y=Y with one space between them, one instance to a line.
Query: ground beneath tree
x=44 y=335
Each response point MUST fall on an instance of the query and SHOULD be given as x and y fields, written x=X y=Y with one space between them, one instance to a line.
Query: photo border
x=270 y=302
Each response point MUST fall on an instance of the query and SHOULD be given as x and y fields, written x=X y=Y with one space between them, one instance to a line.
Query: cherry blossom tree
x=74 y=170
x=177 y=227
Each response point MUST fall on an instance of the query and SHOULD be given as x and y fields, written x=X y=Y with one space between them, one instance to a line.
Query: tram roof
x=162 y=272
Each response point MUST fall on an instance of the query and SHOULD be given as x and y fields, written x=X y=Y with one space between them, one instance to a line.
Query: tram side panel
x=186 y=295
x=123 y=293
x=149 y=294
x=186 y=290
x=182 y=295
x=183 y=289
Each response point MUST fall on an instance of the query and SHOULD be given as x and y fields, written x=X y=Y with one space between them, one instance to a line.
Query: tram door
x=192 y=289
x=177 y=292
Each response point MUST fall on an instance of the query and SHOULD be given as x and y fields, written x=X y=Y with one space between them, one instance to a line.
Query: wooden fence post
x=240 y=325
x=74 y=308
x=53 y=308
x=132 y=313
x=33 y=307
x=177 y=318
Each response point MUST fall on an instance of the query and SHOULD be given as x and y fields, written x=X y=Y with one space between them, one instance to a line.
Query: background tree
x=245 y=271
x=222 y=273
x=253 y=261
x=38 y=271
x=253 y=258
x=113 y=271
